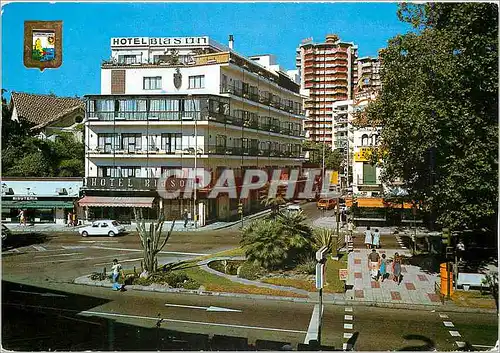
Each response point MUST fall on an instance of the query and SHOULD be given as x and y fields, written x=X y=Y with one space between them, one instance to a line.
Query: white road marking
x=80 y=320
x=347 y=317
x=348 y=326
x=41 y=294
x=347 y=335
x=82 y=259
x=348 y=309
x=443 y=316
x=161 y=252
x=455 y=333
x=206 y=308
x=460 y=344
x=448 y=324
x=98 y=313
x=346 y=346
x=68 y=254
x=74 y=247
x=39 y=248
x=479 y=345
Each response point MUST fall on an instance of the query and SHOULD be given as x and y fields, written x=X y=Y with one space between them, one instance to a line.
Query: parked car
x=102 y=227
x=294 y=208
x=326 y=204
x=6 y=233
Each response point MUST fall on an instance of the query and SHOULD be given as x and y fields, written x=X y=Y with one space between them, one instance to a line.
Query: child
x=383 y=268
x=396 y=268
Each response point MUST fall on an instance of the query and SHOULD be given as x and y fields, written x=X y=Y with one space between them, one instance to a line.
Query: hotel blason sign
x=107 y=183
x=158 y=41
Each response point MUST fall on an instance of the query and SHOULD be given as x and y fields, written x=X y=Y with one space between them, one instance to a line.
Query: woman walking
x=396 y=268
x=368 y=237
x=117 y=269
x=376 y=239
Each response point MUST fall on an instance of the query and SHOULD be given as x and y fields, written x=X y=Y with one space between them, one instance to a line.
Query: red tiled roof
x=41 y=110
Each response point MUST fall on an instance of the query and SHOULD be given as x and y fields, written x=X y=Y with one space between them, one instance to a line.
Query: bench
x=471 y=280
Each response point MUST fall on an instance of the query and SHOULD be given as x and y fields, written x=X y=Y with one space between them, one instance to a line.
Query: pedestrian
x=383 y=268
x=373 y=264
x=73 y=218
x=396 y=268
x=69 y=219
x=376 y=239
x=350 y=228
x=116 y=271
x=460 y=250
x=368 y=237
x=22 y=218
x=185 y=216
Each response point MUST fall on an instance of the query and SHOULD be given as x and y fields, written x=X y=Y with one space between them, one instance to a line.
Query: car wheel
x=84 y=234
x=111 y=233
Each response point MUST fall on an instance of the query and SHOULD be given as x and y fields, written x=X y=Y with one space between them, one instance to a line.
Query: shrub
x=231 y=267
x=250 y=271
x=307 y=266
x=191 y=284
x=142 y=281
x=97 y=276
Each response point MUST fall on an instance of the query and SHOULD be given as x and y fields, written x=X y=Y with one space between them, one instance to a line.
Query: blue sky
x=258 y=28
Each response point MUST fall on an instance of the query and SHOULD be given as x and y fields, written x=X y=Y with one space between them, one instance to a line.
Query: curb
x=437 y=307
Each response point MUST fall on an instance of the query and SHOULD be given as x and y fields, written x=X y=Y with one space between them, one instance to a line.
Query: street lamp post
x=195 y=177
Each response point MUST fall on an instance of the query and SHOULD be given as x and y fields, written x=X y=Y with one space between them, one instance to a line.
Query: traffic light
x=240 y=208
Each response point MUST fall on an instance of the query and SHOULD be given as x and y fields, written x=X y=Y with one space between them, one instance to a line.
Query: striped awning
x=117 y=201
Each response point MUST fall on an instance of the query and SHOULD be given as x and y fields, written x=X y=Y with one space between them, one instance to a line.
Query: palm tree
x=265 y=244
x=298 y=235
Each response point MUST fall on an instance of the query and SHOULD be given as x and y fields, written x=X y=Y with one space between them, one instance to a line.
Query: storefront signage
x=24 y=198
x=158 y=41
x=212 y=59
x=364 y=155
x=343 y=274
x=106 y=183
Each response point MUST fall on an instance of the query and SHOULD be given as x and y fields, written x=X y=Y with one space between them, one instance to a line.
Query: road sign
x=320 y=275
x=343 y=274
x=320 y=254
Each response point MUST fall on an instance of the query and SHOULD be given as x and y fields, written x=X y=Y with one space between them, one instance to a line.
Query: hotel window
x=127 y=59
x=130 y=172
x=131 y=142
x=171 y=142
x=197 y=81
x=150 y=83
x=105 y=142
x=132 y=109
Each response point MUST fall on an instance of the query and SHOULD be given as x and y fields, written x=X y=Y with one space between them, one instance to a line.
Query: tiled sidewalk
x=417 y=287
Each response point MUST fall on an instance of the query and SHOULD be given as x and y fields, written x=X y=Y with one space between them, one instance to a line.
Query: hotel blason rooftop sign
x=158 y=41
x=109 y=183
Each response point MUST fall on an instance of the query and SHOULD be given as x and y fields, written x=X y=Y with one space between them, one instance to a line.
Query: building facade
x=327 y=74
x=213 y=109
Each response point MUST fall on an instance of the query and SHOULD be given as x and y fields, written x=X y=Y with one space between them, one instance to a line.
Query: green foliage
x=333 y=159
x=23 y=154
x=250 y=271
x=307 y=266
x=324 y=237
x=277 y=243
x=439 y=111
x=98 y=276
x=229 y=267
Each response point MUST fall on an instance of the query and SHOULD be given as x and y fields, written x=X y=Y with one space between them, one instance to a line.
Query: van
x=326 y=204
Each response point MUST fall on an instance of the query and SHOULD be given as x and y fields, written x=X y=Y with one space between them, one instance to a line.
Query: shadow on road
x=428 y=344
x=40 y=319
x=17 y=240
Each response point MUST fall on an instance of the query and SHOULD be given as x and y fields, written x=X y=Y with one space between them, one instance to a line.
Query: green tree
x=439 y=111
x=277 y=243
x=333 y=159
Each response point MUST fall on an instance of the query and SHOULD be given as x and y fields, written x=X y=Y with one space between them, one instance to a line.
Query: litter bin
x=445 y=277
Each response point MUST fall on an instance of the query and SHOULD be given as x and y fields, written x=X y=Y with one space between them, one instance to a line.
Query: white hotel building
x=161 y=100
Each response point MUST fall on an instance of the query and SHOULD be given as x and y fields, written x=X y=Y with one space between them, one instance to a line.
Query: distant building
x=327 y=75
x=44 y=200
x=49 y=115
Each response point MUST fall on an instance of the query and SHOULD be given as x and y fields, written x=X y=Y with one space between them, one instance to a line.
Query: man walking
x=373 y=263
x=185 y=216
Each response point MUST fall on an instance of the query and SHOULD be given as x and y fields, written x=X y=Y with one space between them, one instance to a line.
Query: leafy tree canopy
x=333 y=159
x=439 y=111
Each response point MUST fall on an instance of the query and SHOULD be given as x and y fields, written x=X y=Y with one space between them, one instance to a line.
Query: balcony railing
x=263 y=99
x=257 y=123
x=362 y=181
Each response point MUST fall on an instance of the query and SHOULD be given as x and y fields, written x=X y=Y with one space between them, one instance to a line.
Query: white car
x=294 y=208
x=102 y=227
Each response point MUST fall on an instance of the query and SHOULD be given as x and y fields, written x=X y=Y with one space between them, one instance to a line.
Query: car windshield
x=322 y=200
x=115 y=223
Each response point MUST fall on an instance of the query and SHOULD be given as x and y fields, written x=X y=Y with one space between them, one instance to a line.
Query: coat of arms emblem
x=177 y=79
x=43 y=44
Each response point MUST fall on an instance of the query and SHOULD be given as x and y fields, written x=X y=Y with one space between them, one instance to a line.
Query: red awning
x=109 y=201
